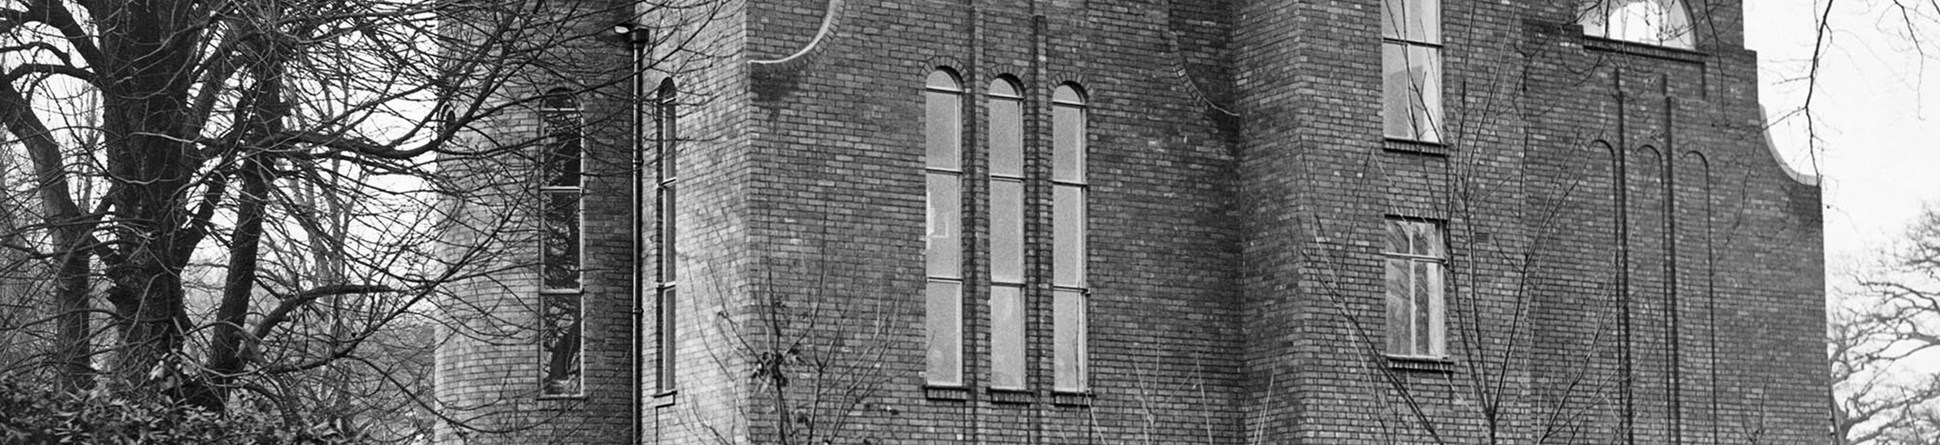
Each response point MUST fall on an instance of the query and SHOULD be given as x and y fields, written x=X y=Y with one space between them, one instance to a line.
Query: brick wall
x=1628 y=261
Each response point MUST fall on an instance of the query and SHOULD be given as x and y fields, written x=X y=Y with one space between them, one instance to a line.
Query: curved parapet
x=1795 y=174
x=803 y=56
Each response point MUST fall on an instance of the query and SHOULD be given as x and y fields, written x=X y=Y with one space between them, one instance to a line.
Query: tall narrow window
x=1006 y=132
x=559 y=245
x=1652 y=22
x=666 y=144
x=1416 y=257
x=1069 y=287
x=943 y=238
x=1411 y=69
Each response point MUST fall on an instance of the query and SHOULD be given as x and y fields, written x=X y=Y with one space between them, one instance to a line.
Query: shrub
x=38 y=416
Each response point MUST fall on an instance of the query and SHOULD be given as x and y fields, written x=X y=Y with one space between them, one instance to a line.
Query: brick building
x=1131 y=221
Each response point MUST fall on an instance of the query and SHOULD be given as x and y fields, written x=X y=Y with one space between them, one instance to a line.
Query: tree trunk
x=72 y=348
x=149 y=46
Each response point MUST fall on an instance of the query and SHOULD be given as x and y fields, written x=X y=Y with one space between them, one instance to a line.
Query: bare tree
x=806 y=361
x=248 y=195
x=1915 y=22
x=1885 y=391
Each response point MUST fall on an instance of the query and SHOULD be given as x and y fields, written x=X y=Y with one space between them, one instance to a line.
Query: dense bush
x=36 y=416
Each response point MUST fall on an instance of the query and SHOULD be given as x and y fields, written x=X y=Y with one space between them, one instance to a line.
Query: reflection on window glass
x=560 y=240
x=1412 y=20
x=1652 y=22
x=560 y=340
x=560 y=165
x=1411 y=92
x=1415 y=256
x=1411 y=63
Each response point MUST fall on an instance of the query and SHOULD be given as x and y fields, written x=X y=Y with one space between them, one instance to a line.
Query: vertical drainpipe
x=637 y=49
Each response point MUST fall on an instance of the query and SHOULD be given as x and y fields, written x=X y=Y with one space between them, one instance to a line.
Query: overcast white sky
x=1878 y=114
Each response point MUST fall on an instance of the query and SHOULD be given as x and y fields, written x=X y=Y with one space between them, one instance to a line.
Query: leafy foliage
x=30 y=415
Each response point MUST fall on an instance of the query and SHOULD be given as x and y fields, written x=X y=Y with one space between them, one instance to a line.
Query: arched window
x=666 y=138
x=943 y=238
x=1005 y=107
x=1068 y=231
x=560 y=190
x=1652 y=22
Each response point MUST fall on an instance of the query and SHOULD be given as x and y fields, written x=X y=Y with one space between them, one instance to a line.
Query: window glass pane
x=1677 y=30
x=1397 y=88
x=1636 y=21
x=1397 y=239
x=1002 y=87
x=1592 y=15
x=944 y=333
x=1411 y=20
x=1437 y=315
x=562 y=154
x=1067 y=95
x=668 y=338
x=1655 y=22
x=942 y=80
x=1007 y=231
x=1421 y=307
x=943 y=130
x=1068 y=332
x=1006 y=137
x=1425 y=65
x=667 y=125
x=1068 y=236
x=1428 y=240
x=944 y=241
x=1391 y=11
x=559 y=344
x=1067 y=143
x=559 y=99
x=1007 y=337
x=669 y=254
x=1400 y=318
x=1411 y=92
x=559 y=240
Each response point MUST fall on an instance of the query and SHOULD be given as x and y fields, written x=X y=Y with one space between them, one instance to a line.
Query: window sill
x=1414 y=146
x=1012 y=396
x=1421 y=364
x=1642 y=49
x=665 y=398
x=1071 y=398
x=561 y=397
x=941 y=392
